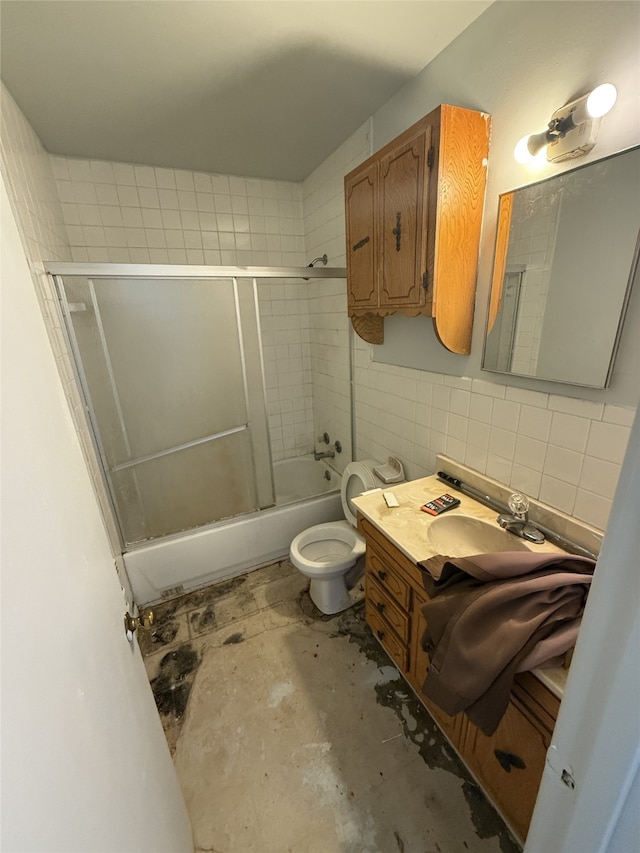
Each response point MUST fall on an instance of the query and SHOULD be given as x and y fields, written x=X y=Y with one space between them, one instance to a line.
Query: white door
x=85 y=766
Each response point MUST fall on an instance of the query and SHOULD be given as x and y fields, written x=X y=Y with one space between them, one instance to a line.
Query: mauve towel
x=493 y=615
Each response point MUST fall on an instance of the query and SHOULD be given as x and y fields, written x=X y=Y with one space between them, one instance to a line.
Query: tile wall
x=26 y=169
x=323 y=193
x=563 y=451
x=125 y=213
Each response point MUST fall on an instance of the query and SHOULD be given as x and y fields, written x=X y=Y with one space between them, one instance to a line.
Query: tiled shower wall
x=564 y=451
x=323 y=193
x=124 y=213
x=26 y=169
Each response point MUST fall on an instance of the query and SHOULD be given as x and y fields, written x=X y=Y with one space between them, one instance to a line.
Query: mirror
x=565 y=252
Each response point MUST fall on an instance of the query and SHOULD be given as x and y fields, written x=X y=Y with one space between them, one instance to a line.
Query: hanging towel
x=493 y=615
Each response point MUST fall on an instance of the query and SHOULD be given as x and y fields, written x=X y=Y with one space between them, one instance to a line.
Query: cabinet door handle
x=380 y=606
x=380 y=635
x=360 y=244
x=507 y=760
x=398 y=230
x=382 y=575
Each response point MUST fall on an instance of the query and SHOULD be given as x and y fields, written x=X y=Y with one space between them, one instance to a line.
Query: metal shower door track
x=191 y=271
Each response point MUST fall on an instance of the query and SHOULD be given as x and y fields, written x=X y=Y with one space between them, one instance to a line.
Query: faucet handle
x=519 y=505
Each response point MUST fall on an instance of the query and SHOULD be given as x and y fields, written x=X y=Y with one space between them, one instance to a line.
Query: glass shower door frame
x=110 y=271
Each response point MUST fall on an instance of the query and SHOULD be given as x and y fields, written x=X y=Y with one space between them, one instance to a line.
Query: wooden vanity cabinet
x=413 y=218
x=509 y=764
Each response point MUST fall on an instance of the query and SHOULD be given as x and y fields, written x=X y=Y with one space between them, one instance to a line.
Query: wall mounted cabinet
x=413 y=219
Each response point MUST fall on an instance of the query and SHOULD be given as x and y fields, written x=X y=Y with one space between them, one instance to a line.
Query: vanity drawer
x=393 y=645
x=396 y=587
x=398 y=619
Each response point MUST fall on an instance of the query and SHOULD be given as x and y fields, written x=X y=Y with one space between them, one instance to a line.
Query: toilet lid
x=358 y=477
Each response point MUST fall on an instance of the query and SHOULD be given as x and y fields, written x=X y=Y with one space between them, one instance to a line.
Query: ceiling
x=263 y=89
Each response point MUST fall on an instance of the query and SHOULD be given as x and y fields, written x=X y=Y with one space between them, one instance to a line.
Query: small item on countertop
x=390 y=499
x=441 y=504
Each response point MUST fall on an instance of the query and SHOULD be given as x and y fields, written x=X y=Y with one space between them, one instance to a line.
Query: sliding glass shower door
x=171 y=369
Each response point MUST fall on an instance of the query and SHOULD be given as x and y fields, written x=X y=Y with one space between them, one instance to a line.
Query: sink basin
x=462 y=536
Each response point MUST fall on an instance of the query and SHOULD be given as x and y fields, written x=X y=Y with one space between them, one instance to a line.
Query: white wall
x=518 y=61
x=85 y=765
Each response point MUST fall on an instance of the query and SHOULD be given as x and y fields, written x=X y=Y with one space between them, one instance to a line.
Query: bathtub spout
x=323 y=454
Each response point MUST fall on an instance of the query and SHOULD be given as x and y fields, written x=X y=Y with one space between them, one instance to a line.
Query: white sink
x=462 y=536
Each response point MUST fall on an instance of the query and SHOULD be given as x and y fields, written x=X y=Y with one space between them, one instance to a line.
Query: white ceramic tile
x=148 y=197
x=489 y=389
x=107 y=194
x=570 y=406
x=525 y=480
x=594 y=509
x=499 y=468
x=505 y=414
x=563 y=464
x=502 y=443
x=535 y=422
x=184 y=180
x=622 y=415
x=569 y=431
x=481 y=408
x=124 y=174
x=607 y=441
x=599 y=476
x=128 y=196
x=557 y=494
x=79 y=170
x=131 y=217
x=165 y=178
x=530 y=452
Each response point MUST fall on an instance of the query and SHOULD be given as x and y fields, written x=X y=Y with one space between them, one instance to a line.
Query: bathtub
x=304 y=496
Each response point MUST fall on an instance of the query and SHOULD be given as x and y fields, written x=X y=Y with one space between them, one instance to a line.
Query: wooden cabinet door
x=452 y=726
x=509 y=764
x=403 y=223
x=361 y=192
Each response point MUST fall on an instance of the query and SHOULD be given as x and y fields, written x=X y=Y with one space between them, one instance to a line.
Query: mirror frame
x=501 y=244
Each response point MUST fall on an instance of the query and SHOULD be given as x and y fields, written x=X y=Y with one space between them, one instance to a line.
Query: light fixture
x=572 y=130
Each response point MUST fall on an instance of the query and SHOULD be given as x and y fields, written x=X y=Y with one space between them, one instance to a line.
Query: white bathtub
x=228 y=548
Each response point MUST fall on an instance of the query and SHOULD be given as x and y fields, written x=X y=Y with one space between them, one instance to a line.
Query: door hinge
x=425 y=279
x=430 y=157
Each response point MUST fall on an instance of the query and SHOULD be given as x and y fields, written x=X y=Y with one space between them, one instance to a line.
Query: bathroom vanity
x=509 y=764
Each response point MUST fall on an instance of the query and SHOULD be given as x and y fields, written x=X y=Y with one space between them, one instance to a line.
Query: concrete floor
x=292 y=732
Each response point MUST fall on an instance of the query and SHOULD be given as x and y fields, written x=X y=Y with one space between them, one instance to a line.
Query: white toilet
x=326 y=552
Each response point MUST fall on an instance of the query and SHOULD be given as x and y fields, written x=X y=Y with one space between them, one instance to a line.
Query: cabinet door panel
x=403 y=223
x=361 y=198
x=509 y=764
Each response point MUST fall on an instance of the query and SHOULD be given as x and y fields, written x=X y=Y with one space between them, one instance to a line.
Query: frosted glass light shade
x=601 y=100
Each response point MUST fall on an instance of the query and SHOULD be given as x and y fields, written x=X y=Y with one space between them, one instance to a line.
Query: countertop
x=406 y=526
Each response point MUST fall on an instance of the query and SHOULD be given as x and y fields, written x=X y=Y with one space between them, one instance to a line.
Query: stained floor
x=292 y=732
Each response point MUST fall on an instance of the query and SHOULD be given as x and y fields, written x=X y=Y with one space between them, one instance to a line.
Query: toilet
x=326 y=552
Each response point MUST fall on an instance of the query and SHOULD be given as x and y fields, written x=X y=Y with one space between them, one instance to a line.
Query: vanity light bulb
x=530 y=149
x=521 y=151
x=601 y=100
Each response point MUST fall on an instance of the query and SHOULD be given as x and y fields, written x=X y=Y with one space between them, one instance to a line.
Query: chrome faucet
x=323 y=454
x=518 y=523
x=327 y=454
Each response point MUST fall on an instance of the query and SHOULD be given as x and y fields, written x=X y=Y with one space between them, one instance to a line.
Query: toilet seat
x=326 y=549
x=358 y=477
